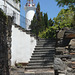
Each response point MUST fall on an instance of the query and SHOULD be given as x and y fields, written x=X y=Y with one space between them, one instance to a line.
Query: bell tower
x=29 y=13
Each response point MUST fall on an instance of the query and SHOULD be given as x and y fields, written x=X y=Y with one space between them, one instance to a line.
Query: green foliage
x=48 y=33
x=39 y=22
x=2 y=13
x=38 y=9
x=3 y=16
x=45 y=28
x=73 y=22
x=35 y=24
x=51 y=22
x=46 y=20
x=17 y=1
x=41 y=26
x=69 y=3
x=64 y=18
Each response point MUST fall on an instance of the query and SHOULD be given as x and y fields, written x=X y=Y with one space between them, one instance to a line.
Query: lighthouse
x=29 y=13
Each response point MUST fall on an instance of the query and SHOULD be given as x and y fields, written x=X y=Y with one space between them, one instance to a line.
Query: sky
x=47 y=6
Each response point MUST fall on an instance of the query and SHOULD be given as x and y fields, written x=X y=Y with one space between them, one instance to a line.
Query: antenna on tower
x=29 y=1
x=32 y=1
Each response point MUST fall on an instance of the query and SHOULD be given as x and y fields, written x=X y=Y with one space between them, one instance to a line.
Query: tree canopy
x=45 y=28
x=69 y=3
x=40 y=21
x=46 y=20
x=64 y=18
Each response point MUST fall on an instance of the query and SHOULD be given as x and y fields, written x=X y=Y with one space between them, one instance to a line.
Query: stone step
x=35 y=58
x=39 y=67
x=45 y=45
x=48 y=53
x=39 y=64
x=40 y=73
x=43 y=55
x=60 y=47
x=44 y=51
x=39 y=48
x=46 y=42
x=41 y=61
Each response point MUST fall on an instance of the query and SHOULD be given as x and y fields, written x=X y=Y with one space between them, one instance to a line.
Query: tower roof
x=30 y=3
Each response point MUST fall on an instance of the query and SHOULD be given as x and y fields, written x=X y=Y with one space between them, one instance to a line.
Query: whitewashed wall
x=22 y=46
x=11 y=11
x=13 y=2
x=10 y=7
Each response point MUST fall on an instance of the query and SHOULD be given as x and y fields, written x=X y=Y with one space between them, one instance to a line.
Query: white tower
x=29 y=13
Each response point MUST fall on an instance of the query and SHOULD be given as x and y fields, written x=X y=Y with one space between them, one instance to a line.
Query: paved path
x=17 y=71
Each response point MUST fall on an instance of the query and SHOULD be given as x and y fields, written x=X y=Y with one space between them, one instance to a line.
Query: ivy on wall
x=5 y=43
x=3 y=15
x=17 y=1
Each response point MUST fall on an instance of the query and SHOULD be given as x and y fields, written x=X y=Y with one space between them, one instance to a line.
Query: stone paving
x=17 y=71
x=21 y=71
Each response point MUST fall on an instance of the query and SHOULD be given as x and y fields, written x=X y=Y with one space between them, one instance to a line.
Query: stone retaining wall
x=5 y=39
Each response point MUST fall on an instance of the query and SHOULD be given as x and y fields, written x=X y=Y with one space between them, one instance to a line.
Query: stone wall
x=65 y=51
x=5 y=39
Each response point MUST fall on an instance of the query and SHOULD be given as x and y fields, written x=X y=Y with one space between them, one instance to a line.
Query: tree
x=36 y=24
x=42 y=22
x=48 y=33
x=73 y=22
x=33 y=25
x=46 y=20
x=40 y=25
x=51 y=22
x=69 y=3
x=64 y=19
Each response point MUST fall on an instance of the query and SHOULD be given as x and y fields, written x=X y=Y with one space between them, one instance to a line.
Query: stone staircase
x=43 y=56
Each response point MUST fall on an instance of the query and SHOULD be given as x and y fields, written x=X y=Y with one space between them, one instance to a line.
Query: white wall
x=9 y=10
x=13 y=2
x=22 y=46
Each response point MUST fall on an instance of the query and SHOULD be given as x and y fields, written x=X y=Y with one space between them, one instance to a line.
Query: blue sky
x=47 y=6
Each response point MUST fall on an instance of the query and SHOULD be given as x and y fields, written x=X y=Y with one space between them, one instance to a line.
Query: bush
x=48 y=33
